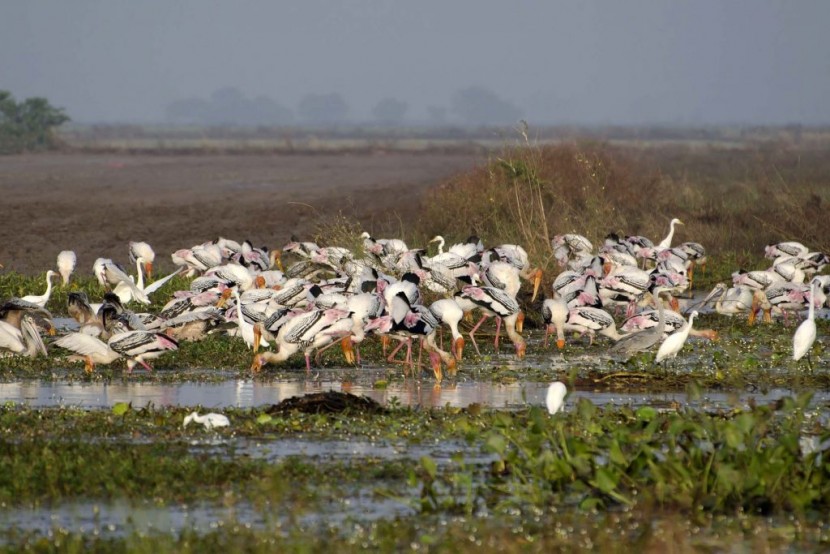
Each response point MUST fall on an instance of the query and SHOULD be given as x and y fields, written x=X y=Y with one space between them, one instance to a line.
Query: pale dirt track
x=95 y=203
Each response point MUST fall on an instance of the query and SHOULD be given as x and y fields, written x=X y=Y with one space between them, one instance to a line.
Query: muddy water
x=246 y=393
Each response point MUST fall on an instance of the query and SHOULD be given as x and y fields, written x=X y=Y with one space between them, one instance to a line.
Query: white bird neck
x=510 y=328
x=139 y=273
x=48 y=286
x=688 y=328
x=666 y=242
x=440 y=245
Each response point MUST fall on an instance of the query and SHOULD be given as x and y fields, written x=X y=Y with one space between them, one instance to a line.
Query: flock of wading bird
x=331 y=295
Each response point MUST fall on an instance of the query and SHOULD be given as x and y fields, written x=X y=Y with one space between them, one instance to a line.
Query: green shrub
x=28 y=125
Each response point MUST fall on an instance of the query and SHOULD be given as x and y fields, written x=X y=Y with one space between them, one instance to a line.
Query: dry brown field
x=96 y=203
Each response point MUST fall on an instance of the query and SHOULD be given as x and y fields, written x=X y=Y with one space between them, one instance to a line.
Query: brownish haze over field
x=95 y=204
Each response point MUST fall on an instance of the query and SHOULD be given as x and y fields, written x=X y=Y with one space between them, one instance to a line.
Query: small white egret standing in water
x=210 y=420
x=674 y=343
x=805 y=335
x=555 y=399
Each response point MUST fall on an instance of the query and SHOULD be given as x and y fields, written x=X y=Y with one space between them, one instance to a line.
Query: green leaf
x=734 y=438
x=745 y=422
x=616 y=454
x=120 y=408
x=590 y=503
x=605 y=481
x=264 y=418
x=429 y=466
x=646 y=413
x=496 y=443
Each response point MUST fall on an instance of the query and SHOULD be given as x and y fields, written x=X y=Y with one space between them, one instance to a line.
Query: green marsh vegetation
x=501 y=476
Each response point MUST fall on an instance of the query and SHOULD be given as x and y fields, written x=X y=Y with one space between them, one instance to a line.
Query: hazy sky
x=579 y=61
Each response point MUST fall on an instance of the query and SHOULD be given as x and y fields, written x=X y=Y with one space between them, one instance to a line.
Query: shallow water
x=248 y=393
x=121 y=517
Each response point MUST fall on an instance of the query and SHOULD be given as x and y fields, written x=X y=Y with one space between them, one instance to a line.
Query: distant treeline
x=230 y=107
x=28 y=125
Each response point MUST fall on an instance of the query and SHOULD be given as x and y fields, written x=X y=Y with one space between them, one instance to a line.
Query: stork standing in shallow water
x=136 y=346
x=496 y=302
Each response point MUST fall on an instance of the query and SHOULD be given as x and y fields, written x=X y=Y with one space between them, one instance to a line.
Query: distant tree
x=187 y=111
x=269 y=112
x=390 y=111
x=229 y=106
x=28 y=125
x=321 y=109
x=480 y=106
x=437 y=115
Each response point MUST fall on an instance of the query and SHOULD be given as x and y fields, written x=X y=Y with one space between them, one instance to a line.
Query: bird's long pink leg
x=308 y=362
x=391 y=358
x=326 y=347
x=691 y=275
x=498 y=330
x=474 y=329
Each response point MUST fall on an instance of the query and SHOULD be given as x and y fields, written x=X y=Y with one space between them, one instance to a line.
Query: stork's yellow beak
x=436 y=369
x=537 y=281
x=675 y=305
x=458 y=348
x=451 y=366
x=223 y=298
x=348 y=350
x=257 y=335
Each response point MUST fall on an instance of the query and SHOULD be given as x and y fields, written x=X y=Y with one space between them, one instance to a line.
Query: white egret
x=673 y=343
x=42 y=299
x=805 y=335
x=555 y=398
x=210 y=421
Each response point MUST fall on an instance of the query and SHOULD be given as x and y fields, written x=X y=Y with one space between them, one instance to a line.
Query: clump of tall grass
x=733 y=200
x=528 y=193
x=339 y=230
